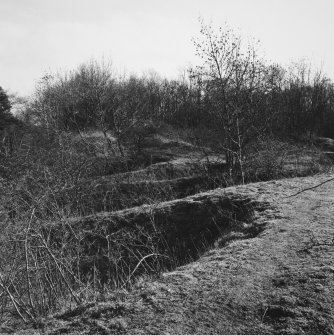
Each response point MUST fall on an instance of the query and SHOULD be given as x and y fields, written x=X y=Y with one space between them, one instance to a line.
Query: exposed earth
x=275 y=276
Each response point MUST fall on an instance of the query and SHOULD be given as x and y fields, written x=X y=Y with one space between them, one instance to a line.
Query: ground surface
x=280 y=281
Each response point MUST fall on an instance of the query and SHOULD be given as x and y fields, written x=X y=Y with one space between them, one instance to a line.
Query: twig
x=264 y=314
x=135 y=269
x=56 y=261
x=15 y=304
x=27 y=259
x=310 y=188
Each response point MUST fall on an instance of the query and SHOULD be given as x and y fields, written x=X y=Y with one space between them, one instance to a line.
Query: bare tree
x=234 y=80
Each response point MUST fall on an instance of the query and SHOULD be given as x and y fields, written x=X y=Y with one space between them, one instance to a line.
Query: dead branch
x=310 y=188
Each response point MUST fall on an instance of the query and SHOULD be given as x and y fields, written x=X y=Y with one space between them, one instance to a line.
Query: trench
x=116 y=248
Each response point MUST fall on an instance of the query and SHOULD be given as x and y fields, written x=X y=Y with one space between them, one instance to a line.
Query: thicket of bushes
x=235 y=104
x=234 y=94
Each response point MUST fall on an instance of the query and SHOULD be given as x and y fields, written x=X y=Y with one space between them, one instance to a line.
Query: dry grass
x=64 y=240
x=72 y=260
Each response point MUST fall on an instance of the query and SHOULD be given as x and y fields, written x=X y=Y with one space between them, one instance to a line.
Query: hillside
x=199 y=203
x=273 y=275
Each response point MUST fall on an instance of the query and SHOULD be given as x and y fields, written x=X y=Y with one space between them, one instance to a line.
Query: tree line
x=234 y=93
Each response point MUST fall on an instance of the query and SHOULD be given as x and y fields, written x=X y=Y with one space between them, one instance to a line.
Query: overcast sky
x=139 y=35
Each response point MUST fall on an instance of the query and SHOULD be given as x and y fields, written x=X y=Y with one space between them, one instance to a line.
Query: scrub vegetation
x=103 y=176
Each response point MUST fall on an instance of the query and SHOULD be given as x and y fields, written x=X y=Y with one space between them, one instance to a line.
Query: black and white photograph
x=167 y=167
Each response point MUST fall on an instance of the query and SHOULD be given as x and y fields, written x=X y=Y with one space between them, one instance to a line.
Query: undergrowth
x=57 y=251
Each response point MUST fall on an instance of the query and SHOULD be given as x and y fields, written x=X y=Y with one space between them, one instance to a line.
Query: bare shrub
x=35 y=276
x=274 y=159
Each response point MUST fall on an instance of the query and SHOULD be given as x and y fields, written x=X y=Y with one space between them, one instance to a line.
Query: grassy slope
x=279 y=282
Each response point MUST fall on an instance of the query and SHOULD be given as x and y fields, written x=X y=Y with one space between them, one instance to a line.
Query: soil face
x=277 y=281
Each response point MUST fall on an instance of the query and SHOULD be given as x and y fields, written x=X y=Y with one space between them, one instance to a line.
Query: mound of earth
x=278 y=281
x=158 y=182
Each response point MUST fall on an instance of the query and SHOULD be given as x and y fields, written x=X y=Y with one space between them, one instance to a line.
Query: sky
x=137 y=36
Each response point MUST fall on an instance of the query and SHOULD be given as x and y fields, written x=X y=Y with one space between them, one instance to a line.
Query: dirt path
x=280 y=282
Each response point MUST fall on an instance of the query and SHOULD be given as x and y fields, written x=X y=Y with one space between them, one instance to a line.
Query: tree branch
x=310 y=188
